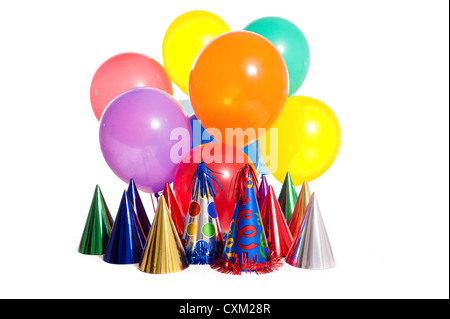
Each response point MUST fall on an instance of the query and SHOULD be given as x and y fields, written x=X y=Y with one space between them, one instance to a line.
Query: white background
x=382 y=66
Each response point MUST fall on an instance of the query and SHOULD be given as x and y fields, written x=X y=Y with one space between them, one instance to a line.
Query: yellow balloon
x=282 y=146
x=319 y=147
x=183 y=41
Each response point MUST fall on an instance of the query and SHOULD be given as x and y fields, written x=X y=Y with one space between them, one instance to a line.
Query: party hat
x=300 y=209
x=174 y=209
x=262 y=191
x=246 y=246
x=277 y=231
x=311 y=248
x=163 y=251
x=97 y=229
x=202 y=236
x=126 y=243
x=139 y=209
x=288 y=197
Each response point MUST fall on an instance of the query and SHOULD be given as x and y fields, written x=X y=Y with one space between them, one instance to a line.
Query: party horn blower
x=97 y=229
x=311 y=248
x=288 y=197
x=279 y=237
x=174 y=209
x=300 y=209
x=127 y=239
x=163 y=251
x=246 y=248
x=139 y=209
x=202 y=238
x=262 y=191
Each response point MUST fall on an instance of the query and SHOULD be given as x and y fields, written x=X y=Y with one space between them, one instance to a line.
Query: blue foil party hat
x=126 y=243
x=139 y=209
x=246 y=248
x=202 y=237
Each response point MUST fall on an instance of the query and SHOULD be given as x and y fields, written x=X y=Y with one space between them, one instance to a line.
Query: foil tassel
x=300 y=210
x=288 y=197
x=174 y=209
x=311 y=248
x=139 y=209
x=98 y=226
x=126 y=243
x=277 y=231
x=163 y=251
x=246 y=248
x=202 y=237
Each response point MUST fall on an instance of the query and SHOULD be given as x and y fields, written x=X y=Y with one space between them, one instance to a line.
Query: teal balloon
x=291 y=43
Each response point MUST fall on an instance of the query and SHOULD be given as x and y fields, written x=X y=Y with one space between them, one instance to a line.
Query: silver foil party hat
x=311 y=248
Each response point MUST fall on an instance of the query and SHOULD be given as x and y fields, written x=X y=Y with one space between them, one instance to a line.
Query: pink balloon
x=137 y=140
x=123 y=72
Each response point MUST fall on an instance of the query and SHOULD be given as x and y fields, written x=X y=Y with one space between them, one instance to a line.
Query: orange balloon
x=239 y=80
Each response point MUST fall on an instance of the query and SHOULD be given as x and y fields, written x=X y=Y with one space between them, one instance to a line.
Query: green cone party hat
x=288 y=198
x=97 y=228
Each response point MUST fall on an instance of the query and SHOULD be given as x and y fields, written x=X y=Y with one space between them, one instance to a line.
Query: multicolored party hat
x=202 y=236
x=126 y=243
x=163 y=251
x=277 y=231
x=97 y=229
x=246 y=248
x=288 y=197
x=311 y=248
x=300 y=209
x=174 y=209
x=139 y=209
x=262 y=191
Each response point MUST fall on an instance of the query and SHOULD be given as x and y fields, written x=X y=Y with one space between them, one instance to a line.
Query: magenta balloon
x=135 y=137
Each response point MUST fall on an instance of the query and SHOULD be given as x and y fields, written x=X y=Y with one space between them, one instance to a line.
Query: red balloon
x=123 y=72
x=224 y=160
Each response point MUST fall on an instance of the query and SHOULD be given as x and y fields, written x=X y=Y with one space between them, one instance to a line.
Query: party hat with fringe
x=246 y=248
x=202 y=236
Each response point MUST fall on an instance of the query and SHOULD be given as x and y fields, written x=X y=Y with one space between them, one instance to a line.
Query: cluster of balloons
x=242 y=79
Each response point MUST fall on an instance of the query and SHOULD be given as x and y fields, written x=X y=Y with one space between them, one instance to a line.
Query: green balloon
x=291 y=43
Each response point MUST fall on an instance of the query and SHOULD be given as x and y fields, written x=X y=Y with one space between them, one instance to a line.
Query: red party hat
x=277 y=231
x=174 y=209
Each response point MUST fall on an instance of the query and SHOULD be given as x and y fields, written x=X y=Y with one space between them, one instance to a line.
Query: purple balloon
x=135 y=137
